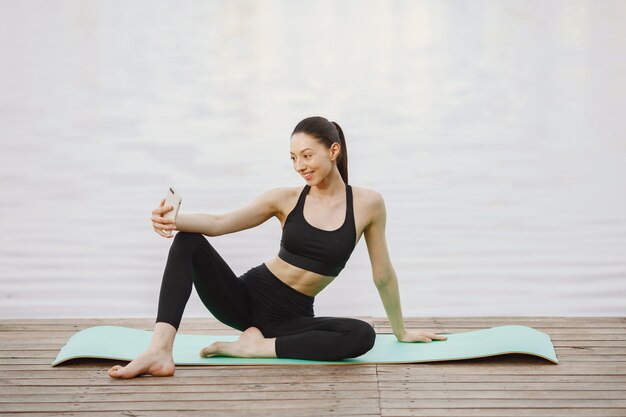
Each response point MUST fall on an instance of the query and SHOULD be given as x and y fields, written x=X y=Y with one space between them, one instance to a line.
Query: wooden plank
x=279 y=412
x=65 y=323
x=220 y=371
x=480 y=392
x=505 y=378
x=474 y=367
x=578 y=322
x=241 y=405
x=508 y=412
x=487 y=403
x=207 y=395
x=189 y=387
x=553 y=332
x=205 y=379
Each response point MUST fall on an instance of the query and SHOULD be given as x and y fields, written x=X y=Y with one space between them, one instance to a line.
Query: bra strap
x=349 y=204
x=303 y=193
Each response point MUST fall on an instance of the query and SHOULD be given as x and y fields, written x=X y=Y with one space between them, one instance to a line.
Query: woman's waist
x=306 y=282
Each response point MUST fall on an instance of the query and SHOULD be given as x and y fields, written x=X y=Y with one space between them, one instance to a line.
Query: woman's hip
x=272 y=299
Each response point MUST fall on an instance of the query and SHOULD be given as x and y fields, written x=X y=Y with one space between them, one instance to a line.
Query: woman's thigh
x=298 y=325
x=320 y=338
x=219 y=288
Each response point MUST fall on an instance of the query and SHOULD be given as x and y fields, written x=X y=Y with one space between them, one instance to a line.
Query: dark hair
x=327 y=133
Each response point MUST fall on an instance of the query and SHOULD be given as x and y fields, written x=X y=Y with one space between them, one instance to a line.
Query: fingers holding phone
x=164 y=216
x=160 y=223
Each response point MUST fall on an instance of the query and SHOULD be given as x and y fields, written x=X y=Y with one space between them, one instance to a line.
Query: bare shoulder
x=278 y=193
x=368 y=197
x=369 y=202
x=282 y=198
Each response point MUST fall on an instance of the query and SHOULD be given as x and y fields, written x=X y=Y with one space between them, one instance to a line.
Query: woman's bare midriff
x=306 y=282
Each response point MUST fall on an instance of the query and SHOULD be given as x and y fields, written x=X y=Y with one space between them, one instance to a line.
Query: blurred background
x=493 y=129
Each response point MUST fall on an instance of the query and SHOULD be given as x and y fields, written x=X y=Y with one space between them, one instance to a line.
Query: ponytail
x=342 y=161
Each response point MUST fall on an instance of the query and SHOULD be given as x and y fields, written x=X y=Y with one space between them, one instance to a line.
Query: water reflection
x=492 y=129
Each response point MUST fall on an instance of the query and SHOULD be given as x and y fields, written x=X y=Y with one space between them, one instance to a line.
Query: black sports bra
x=322 y=251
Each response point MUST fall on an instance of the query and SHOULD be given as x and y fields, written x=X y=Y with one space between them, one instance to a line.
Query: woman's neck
x=329 y=187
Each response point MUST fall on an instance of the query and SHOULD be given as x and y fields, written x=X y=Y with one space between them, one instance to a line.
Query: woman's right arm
x=258 y=211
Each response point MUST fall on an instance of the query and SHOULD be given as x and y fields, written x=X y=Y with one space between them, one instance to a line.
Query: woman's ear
x=335 y=149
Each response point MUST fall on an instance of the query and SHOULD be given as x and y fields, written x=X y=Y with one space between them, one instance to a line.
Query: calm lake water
x=493 y=129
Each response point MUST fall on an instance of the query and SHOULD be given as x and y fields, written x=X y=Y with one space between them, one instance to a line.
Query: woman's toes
x=212 y=349
x=116 y=371
x=119 y=371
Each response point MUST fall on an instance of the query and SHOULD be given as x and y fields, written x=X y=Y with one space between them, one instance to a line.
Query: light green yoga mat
x=125 y=343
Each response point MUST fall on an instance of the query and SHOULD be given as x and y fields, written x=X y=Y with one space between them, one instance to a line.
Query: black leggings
x=257 y=298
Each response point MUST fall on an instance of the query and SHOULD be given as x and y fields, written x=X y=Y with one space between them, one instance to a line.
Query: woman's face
x=311 y=159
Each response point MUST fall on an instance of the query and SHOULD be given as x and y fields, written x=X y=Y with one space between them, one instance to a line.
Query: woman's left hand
x=419 y=336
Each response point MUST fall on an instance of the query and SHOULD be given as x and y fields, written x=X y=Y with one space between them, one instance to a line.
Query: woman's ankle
x=163 y=337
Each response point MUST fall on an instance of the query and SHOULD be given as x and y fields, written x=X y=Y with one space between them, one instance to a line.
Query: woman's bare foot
x=153 y=362
x=251 y=344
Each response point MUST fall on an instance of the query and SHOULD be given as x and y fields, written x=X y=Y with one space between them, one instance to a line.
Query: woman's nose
x=298 y=166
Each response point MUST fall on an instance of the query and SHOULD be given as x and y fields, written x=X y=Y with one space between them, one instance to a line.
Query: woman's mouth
x=307 y=175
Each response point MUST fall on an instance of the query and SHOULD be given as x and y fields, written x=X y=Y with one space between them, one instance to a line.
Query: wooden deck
x=590 y=379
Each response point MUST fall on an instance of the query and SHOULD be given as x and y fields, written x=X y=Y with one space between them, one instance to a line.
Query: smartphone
x=172 y=199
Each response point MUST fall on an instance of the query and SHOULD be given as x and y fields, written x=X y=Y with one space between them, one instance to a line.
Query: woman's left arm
x=384 y=275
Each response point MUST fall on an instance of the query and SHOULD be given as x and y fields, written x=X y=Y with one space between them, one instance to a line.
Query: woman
x=272 y=303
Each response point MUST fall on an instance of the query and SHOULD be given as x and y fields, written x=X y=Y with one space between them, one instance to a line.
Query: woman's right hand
x=160 y=223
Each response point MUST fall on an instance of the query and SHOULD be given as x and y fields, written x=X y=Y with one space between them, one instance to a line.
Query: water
x=494 y=131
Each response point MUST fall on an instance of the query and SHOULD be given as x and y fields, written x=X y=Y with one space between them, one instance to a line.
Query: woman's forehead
x=301 y=141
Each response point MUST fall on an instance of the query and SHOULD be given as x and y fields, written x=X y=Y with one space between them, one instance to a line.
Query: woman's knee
x=187 y=236
x=363 y=337
x=186 y=241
